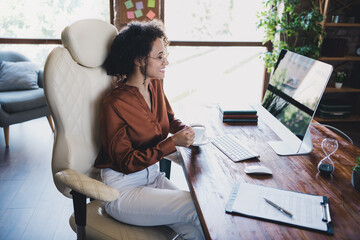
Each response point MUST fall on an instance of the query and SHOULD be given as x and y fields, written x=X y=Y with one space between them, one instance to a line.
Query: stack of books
x=238 y=114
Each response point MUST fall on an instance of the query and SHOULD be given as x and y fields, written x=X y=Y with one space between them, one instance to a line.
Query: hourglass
x=329 y=147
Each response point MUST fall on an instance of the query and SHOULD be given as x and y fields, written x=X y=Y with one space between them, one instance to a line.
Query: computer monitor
x=291 y=99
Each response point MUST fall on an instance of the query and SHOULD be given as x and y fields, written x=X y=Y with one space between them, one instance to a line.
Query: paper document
x=305 y=210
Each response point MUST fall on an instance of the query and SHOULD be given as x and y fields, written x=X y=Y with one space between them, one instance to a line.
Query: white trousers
x=148 y=198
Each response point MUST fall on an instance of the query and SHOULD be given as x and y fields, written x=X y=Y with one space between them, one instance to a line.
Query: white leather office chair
x=75 y=84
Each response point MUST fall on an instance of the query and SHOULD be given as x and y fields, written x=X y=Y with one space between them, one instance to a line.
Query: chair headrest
x=89 y=41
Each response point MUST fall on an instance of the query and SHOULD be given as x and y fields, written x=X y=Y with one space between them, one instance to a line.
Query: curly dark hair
x=133 y=41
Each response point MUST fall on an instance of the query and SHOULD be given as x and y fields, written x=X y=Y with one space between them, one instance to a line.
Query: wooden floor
x=30 y=205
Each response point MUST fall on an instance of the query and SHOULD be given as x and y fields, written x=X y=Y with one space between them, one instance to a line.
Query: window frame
x=48 y=40
x=268 y=45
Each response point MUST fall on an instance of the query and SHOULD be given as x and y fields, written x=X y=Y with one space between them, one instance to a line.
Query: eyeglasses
x=162 y=57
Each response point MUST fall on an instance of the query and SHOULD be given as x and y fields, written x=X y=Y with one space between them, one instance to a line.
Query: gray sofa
x=20 y=99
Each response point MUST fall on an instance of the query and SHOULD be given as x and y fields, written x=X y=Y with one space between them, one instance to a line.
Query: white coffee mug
x=199 y=130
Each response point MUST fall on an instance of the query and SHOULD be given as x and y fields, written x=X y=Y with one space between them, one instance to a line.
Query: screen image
x=294 y=90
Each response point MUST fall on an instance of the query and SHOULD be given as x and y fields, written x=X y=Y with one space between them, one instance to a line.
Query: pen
x=279 y=208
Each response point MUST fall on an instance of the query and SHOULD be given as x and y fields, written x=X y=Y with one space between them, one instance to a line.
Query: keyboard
x=233 y=149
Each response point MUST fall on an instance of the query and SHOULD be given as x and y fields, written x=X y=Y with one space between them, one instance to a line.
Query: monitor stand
x=286 y=149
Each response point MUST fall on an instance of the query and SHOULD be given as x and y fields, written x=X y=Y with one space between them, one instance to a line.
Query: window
x=214 y=74
x=215 y=50
x=212 y=20
x=41 y=19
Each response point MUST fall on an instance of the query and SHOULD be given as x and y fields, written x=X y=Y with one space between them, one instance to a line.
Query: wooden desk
x=211 y=175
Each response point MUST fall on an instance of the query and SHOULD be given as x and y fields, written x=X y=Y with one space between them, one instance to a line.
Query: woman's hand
x=184 y=137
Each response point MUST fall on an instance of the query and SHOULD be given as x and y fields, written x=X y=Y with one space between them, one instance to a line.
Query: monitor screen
x=295 y=89
x=290 y=101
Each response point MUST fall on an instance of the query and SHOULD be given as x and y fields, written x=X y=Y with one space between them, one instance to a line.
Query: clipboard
x=308 y=211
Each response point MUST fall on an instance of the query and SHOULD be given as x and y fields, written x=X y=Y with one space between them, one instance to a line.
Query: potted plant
x=355 y=180
x=339 y=80
x=291 y=25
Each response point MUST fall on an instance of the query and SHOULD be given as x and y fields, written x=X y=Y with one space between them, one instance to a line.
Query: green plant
x=357 y=167
x=340 y=76
x=291 y=25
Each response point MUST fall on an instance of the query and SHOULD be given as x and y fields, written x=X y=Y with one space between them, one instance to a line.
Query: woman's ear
x=139 y=62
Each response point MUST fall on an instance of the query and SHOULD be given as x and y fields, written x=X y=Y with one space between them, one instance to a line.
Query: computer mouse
x=257 y=170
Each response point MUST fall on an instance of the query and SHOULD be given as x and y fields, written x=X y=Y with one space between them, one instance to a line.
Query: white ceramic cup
x=199 y=130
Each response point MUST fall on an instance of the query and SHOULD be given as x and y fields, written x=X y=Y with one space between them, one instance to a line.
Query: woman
x=136 y=120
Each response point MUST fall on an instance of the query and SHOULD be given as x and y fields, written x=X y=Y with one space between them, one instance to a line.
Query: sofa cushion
x=18 y=101
x=18 y=76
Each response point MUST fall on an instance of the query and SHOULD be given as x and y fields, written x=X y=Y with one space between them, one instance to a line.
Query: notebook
x=237 y=109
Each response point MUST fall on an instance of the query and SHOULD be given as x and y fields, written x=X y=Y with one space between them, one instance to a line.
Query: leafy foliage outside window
x=212 y=20
x=45 y=20
x=293 y=25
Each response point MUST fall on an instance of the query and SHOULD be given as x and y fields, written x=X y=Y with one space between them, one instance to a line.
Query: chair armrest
x=88 y=186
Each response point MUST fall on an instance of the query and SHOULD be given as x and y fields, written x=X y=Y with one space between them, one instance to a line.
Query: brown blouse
x=133 y=136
